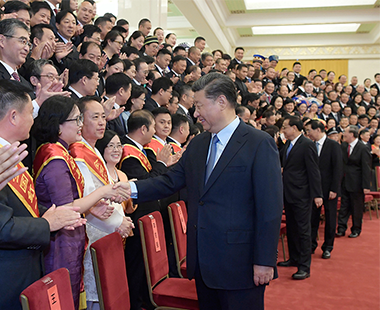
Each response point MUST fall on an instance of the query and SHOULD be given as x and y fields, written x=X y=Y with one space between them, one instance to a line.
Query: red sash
x=175 y=147
x=23 y=188
x=154 y=145
x=132 y=151
x=50 y=151
x=82 y=152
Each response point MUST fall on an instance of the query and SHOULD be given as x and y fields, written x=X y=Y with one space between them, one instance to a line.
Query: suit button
x=195 y=227
x=201 y=203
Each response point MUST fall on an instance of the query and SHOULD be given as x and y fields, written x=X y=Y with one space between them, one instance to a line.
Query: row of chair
x=54 y=291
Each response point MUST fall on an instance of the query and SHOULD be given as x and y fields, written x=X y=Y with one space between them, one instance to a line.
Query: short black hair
x=178 y=120
x=82 y=102
x=122 y=22
x=37 y=31
x=102 y=20
x=139 y=118
x=295 y=121
x=15 y=6
x=317 y=124
x=80 y=68
x=160 y=110
x=163 y=51
x=178 y=58
x=39 y=5
x=178 y=48
x=161 y=83
x=61 y=15
x=116 y=81
x=86 y=45
x=138 y=62
x=89 y=30
x=239 y=48
x=143 y=21
x=296 y=63
x=109 y=15
x=137 y=91
x=12 y=95
x=199 y=39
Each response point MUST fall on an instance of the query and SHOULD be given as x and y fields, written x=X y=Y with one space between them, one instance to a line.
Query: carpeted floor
x=349 y=280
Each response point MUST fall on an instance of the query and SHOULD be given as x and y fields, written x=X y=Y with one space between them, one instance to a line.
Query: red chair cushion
x=112 y=272
x=283 y=229
x=177 y=293
x=183 y=269
x=368 y=198
x=376 y=195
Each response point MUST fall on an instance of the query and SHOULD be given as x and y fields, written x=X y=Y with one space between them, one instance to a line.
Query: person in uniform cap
x=273 y=60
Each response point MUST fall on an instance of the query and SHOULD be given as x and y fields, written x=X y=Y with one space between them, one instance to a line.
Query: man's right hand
x=63 y=217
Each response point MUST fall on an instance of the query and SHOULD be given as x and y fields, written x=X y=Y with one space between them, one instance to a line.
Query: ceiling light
x=305 y=29
x=293 y=4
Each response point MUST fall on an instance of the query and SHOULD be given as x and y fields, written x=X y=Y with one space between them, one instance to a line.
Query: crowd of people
x=98 y=106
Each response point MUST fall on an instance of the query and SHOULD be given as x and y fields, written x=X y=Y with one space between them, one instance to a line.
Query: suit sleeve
x=134 y=170
x=22 y=232
x=337 y=163
x=313 y=173
x=268 y=203
x=366 y=168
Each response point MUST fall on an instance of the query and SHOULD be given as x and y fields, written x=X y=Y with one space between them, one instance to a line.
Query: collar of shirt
x=3 y=142
x=183 y=108
x=161 y=71
x=378 y=84
x=159 y=139
x=353 y=144
x=75 y=92
x=294 y=141
x=135 y=142
x=225 y=134
x=64 y=40
x=192 y=62
x=176 y=74
x=52 y=6
x=116 y=106
x=176 y=142
x=321 y=141
x=138 y=83
x=238 y=61
x=8 y=68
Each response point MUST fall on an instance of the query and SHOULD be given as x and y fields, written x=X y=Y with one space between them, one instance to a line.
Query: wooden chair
x=52 y=291
x=110 y=274
x=164 y=292
x=178 y=221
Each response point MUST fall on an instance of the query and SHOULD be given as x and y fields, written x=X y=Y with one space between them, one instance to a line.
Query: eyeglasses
x=51 y=76
x=114 y=147
x=78 y=119
x=120 y=42
x=23 y=40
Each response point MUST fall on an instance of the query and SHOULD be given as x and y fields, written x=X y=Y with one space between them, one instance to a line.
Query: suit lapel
x=233 y=146
x=295 y=146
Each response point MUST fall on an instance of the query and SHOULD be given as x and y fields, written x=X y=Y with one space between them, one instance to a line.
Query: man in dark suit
x=377 y=82
x=299 y=79
x=239 y=55
x=186 y=101
x=118 y=85
x=135 y=164
x=161 y=93
x=194 y=55
x=302 y=186
x=83 y=78
x=176 y=74
x=355 y=183
x=331 y=168
x=232 y=174
x=24 y=228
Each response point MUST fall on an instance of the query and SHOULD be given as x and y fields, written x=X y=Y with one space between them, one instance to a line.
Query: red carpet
x=349 y=280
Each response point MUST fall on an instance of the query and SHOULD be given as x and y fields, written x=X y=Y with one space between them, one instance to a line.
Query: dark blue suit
x=233 y=220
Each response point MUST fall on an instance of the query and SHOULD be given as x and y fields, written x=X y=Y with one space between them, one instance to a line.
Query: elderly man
x=223 y=171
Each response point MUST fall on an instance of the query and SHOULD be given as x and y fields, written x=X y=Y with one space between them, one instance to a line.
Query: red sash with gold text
x=154 y=145
x=23 y=188
x=175 y=147
x=50 y=151
x=82 y=152
x=132 y=151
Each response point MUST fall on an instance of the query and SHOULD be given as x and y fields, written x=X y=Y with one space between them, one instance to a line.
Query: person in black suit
x=331 y=168
x=24 y=227
x=194 y=55
x=355 y=183
x=241 y=76
x=239 y=55
x=186 y=102
x=377 y=82
x=302 y=186
x=161 y=93
x=53 y=6
x=83 y=78
x=176 y=74
x=118 y=85
x=141 y=129
x=234 y=205
x=299 y=79
x=41 y=13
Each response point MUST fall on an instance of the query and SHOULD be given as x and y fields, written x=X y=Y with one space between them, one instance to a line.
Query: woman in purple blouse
x=58 y=181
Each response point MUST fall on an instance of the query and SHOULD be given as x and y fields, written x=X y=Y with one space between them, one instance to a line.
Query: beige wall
x=363 y=68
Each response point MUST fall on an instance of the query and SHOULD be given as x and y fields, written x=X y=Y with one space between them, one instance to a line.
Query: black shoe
x=340 y=233
x=301 y=275
x=326 y=254
x=353 y=235
x=287 y=263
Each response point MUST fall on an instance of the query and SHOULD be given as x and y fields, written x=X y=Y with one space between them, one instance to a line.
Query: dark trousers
x=298 y=232
x=330 y=207
x=352 y=203
x=218 y=299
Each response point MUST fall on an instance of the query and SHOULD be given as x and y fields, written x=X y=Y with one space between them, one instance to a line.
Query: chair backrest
x=377 y=171
x=52 y=291
x=110 y=274
x=178 y=224
x=154 y=247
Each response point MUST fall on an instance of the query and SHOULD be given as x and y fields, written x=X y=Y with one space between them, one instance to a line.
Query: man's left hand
x=262 y=274
x=318 y=202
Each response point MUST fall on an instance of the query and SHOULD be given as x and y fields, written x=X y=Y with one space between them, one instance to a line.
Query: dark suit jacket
x=377 y=87
x=356 y=168
x=330 y=167
x=4 y=75
x=180 y=82
x=150 y=104
x=65 y=61
x=240 y=86
x=117 y=125
x=302 y=179
x=22 y=239
x=233 y=220
x=182 y=111
x=299 y=80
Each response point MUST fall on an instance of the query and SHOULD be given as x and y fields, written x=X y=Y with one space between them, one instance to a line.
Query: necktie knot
x=16 y=76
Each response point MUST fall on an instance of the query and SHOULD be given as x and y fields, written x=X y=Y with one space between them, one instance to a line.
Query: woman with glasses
x=135 y=102
x=58 y=181
x=112 y=44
